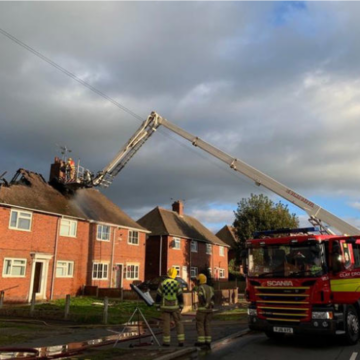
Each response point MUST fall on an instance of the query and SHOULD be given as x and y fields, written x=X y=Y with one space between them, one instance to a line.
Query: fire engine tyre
x=352 y=328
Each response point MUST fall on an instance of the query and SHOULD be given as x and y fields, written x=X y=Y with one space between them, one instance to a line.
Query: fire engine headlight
x=322 y=315
x=251 y=312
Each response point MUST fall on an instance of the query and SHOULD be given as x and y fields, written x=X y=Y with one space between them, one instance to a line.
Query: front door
x=39 y=279
x=119 y=276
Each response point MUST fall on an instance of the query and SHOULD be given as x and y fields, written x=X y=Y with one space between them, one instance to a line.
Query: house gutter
x=55 y=257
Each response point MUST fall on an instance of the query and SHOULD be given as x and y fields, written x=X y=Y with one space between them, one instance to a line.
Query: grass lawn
x=89 y=310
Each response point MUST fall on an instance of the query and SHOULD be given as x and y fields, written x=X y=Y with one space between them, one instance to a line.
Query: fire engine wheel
x=352 y=326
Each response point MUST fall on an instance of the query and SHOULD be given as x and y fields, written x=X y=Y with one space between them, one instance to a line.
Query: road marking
x=353 y=356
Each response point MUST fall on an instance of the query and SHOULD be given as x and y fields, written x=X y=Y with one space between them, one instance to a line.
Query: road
x=258 y=347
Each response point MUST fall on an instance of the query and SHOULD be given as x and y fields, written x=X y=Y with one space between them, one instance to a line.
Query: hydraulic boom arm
x=316 y=213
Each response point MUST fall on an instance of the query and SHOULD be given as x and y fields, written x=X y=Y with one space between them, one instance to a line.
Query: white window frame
x=131 y=238
x=67 y=225
x=11 y=267
x=210 y=271
x=19 y=217
x=67 y=266
x=221 y=273
x=221 y=250
x=194 y=272
x=194 y=246
x=176 y=243
x=208 y=249
x=103 y=271
x=132 y=274
x=102 y=232
x=178 y=268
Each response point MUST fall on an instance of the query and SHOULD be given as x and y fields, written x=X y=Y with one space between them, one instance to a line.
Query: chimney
x=178 y=207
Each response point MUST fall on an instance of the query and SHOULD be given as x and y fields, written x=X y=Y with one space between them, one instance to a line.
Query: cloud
x=274 y=84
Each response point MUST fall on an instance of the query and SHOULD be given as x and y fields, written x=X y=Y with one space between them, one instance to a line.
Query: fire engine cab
x=303 y=282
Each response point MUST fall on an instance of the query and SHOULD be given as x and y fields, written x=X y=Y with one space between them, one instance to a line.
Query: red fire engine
x=304 y=283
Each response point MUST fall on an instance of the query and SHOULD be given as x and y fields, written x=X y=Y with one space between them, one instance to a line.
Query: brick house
x=227 y=235
x=182 y=241
x=53 y=243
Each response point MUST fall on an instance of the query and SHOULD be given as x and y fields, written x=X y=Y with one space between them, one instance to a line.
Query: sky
x=275 y=84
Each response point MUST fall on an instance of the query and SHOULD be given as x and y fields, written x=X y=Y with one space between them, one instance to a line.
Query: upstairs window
x=20 y=220
x=221 y=251
x=14 y=267
x=133 y=237
x=68 y=228
x=64 y=269
x=176 y=243
x=103 y=233
x=194 y=246
x=208 y=249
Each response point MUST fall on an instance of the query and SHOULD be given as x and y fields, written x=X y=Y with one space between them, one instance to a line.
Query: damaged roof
x=165 y=222
x=227 y=235
x=31 y=191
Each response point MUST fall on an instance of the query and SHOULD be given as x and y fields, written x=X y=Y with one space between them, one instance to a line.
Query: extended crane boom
x=317 y=214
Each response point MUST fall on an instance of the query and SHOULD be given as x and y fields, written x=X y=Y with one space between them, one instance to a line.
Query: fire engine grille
x=283 y=304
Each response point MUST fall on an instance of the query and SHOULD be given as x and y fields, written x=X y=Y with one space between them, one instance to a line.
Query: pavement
x=222 y=331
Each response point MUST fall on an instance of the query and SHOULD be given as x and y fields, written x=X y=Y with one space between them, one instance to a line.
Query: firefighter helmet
x=202 y=279
x=172 y=273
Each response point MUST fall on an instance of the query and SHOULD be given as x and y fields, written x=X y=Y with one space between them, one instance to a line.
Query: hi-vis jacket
x=206 y=297
x=169 y=295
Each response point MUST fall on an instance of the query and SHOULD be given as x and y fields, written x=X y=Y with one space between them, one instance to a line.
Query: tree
x=259 y=213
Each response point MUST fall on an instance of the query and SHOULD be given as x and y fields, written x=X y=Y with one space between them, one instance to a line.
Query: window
x=194 y=246
x=103 y=233
x=193 y=272
x=68 y=227
x=100 y=271
x=132 y=272
x=356 y=250
x=20 y=220
x=209 y=249
x=177 y=269
x=221 y=273
x=221 y=251
x=14 y=267
x=176 y=243
x=64 y=269
x=133 y=237
x=210 y=271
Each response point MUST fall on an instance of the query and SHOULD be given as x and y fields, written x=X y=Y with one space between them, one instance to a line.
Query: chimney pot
x=178 y=207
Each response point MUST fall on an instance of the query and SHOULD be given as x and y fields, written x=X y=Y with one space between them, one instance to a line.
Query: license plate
x=284 y=330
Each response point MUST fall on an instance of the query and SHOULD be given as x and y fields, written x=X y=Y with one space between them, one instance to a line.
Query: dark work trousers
x=203 y=326
x=167 y=316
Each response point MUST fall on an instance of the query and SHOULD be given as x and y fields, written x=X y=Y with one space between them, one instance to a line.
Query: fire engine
x=302 y=282
x=298 y=281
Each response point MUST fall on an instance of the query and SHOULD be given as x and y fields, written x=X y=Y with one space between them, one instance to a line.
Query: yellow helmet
x=172 y=273
x=202 y=279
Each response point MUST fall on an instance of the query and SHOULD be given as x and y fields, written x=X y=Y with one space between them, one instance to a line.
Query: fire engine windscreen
x=287 y=260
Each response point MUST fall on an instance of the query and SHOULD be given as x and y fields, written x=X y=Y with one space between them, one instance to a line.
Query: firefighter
x=70 y=166
x=204 y=312
x=169 y=300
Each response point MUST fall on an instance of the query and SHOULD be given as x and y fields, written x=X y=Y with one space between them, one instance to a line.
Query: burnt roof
x=32 y=192
x=227 y=235
x=165 y=222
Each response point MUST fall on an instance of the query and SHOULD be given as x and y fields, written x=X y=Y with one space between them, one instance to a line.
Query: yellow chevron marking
x=345 y=285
